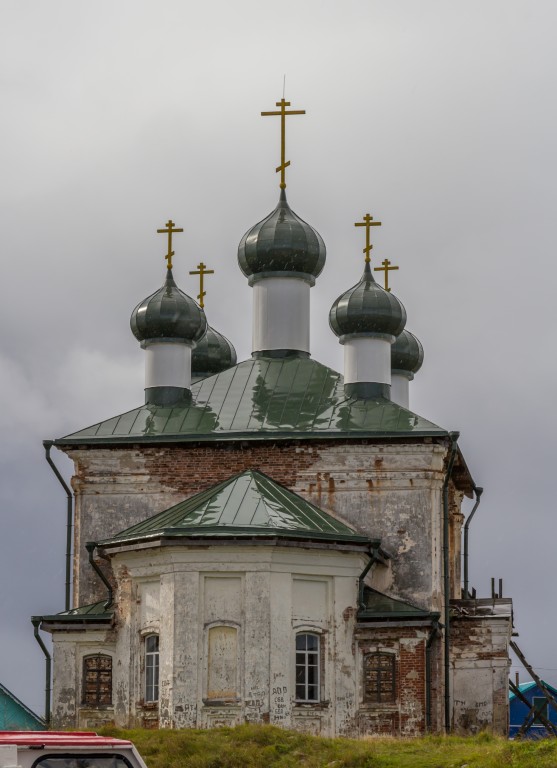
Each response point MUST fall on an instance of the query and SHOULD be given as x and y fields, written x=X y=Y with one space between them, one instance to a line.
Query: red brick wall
x=407 y=715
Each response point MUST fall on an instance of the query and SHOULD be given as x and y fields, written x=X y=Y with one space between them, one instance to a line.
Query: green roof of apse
x=247 y=505
x=259 y=398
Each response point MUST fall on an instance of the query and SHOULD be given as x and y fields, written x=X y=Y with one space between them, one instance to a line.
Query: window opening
x=379 y=677
x=152 y=668
x=537 y=701
x=97 y=680
x=307 y=667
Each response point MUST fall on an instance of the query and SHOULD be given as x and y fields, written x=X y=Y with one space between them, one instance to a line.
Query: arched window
x=97 y=680
x=307 y=667
x=152 y=668
x=379 y=677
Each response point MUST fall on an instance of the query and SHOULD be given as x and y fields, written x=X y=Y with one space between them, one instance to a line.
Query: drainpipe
x=373 y=558
x=36 y=621
x=91 y=546
x=432 y=635
x=478 y=492
x=446 y=576
x=47 y=446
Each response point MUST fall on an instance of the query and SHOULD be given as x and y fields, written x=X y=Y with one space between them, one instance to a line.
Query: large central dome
x=282 y=243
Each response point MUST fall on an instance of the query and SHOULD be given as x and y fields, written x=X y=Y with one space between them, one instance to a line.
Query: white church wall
x=392 y=492
x=68 y=653
x=227 y=617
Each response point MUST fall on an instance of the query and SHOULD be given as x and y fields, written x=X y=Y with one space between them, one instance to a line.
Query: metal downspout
x=69 y=521
x=48 y=661
x=446 y=578
x=372 y=559
x=478 y=492
x=432 y=635
x=91 y=546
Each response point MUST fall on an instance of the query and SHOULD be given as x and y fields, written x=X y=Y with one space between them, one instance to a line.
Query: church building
x=272 y=541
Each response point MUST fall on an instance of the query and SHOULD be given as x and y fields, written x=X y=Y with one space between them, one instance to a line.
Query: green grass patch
x=265 y=746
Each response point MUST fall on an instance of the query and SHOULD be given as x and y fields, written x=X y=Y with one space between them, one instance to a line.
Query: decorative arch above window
x=97 y=680
x=308 y=666
x=379 y=678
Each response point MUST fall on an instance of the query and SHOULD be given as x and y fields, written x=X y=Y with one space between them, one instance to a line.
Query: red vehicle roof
x=60 y=738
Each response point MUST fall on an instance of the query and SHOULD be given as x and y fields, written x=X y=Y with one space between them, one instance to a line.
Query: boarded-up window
x=379 y=677
x=97 y=680
x=222 y=663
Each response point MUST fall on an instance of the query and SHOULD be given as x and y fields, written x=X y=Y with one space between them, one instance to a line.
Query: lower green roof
x=380 y=606
x=84 y=613
x=259 y=398
x=247 y=505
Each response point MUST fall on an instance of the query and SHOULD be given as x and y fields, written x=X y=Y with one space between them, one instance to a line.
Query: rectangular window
x=379 y=677
x=307 y=667
x=539 y=701
x=97 y=680
x=152 y=668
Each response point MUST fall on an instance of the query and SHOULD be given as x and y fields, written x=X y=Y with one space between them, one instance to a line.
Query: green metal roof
x=257 y=399
x=380 y=606
x=247 y=505
x=92 y=612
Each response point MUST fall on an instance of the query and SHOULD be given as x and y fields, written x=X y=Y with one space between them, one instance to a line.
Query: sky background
x=437 y=117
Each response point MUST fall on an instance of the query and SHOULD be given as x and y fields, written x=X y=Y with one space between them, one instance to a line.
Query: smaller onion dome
x=213 y=354
x=281 y=243
x=168 y=313
x=407 y=353
x=366 y=309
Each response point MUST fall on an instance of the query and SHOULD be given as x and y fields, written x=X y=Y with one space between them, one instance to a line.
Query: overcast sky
x=437 y=117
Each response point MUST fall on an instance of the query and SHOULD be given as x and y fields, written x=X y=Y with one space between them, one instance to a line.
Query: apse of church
x=271 y=541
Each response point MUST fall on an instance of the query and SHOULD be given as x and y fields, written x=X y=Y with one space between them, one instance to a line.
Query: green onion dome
x=367 y=309
x=213 y=354
x=407 y=353
x=168 y=313
x=282 y=243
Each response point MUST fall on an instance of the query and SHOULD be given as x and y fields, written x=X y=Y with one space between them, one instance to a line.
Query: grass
x=251 y=746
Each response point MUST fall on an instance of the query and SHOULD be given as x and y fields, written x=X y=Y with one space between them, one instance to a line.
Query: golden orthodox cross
x=201 y=271
x=367 y=223
x=170 y=229
x=283 y=112
x=386 y=268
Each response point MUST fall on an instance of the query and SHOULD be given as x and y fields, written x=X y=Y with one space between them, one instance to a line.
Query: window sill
x=221 y=702
x=369 y=706
x=311 y=705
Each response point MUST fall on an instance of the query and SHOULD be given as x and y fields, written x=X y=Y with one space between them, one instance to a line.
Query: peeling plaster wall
x=480 y=674
x=261 y=595
x=392 y=492
x=69 y=649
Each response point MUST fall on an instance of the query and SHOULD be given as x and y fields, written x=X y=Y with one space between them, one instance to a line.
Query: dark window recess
x=97 y=680
x=82 y=761
x=379 y=677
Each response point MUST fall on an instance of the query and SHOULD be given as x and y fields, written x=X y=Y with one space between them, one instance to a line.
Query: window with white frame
x=152 y=668
x=307 y=667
